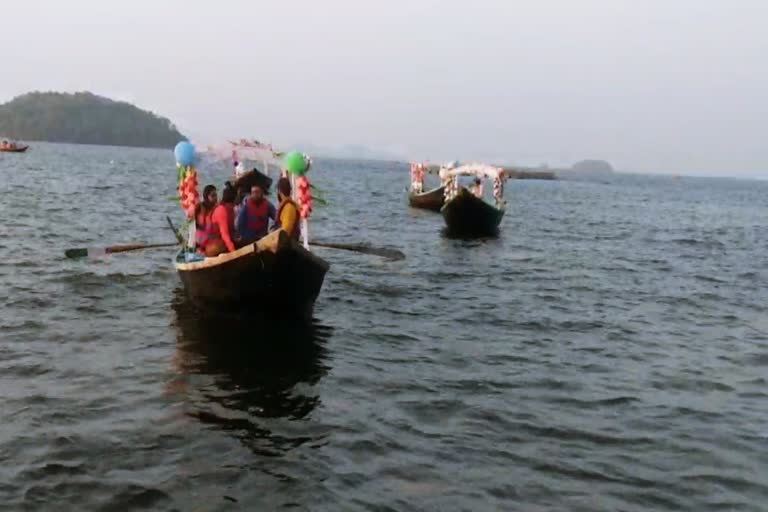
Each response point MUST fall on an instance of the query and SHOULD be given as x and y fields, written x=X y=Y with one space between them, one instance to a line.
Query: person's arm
x=272 y=211
x=221 y=219
x=288 y=218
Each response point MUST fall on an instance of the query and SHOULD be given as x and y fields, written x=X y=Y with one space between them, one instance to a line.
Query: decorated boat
x=13 y=147
x=275 y=273
x=417 y=197
x=465 y=212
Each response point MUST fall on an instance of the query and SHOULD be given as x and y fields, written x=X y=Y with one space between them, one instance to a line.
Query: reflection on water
x=246 y=374
x=447 y=233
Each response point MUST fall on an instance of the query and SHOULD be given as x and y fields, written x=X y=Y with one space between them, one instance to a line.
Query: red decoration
x=304 y=196
x=188 y=195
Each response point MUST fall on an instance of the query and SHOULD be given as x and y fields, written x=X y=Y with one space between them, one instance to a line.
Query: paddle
x=176 y=232
x=93 y=252
x=390 y=254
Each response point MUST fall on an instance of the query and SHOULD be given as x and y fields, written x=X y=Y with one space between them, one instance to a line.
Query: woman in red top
x=223 y=223
x=203 y=218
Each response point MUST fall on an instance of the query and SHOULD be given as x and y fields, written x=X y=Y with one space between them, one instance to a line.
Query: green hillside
x=84 y=118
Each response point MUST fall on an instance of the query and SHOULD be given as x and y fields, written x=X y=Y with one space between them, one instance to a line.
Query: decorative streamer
x=304 y=197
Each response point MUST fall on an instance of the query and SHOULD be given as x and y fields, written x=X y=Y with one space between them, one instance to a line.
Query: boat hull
x=14 y=150
x=274 y=274
x=469 y=216
x=431 y=200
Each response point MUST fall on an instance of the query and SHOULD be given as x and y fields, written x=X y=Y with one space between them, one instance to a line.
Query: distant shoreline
x=575 y=174
x=33 y=142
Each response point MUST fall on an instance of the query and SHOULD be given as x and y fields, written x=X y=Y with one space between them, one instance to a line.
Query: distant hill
x=593 y=167
x=586 y=170
x=84 y=118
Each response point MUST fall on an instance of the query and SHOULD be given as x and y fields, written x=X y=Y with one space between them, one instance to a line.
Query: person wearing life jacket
x=253 y=218
x=287 y=216
x=222 y=234
x=241 y=195
x=203 y=223
x=477 y=188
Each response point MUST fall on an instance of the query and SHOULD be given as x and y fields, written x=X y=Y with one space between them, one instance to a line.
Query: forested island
x=593 y=167
x=84 y=118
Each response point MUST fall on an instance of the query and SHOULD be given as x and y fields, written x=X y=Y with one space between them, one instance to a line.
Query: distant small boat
x=468 y=215
x=429 y=200
x=13 y=149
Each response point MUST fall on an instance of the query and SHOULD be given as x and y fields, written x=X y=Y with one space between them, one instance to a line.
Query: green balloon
x=295 y=163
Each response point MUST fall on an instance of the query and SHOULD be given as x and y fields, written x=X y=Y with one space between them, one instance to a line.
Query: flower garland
x=498 y=191
x=304 y=196
x=188 y=190
x=451 y=185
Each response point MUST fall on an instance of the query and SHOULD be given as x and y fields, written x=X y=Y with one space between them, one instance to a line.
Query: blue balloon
x=185 y=153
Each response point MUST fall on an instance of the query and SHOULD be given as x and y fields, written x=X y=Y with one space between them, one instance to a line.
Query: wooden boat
x=465 y=214
x=275 y=273
x=468 y=215
x=17 y=149
x=429 y=200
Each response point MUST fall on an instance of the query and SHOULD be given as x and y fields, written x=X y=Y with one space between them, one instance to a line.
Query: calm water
x=608 y=352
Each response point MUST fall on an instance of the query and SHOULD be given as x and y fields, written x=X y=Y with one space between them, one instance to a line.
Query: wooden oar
x=93 y=252
x=390 y=254
x=176 y=232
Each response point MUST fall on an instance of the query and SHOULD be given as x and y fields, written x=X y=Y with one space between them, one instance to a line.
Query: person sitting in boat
x=253 y=218
x=203 y=214
x=242 y=194
x=287 y=216
x=222 y=235
x=477 y=188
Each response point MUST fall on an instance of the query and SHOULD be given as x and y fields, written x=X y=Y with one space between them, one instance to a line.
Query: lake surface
x=609 y=351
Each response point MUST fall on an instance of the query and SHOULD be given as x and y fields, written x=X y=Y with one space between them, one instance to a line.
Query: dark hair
x=206 y=192
x=477 y=181
x=284 y=186
x=228 y=194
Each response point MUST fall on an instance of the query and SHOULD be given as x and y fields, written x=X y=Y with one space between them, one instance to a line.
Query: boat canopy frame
x=450 y=173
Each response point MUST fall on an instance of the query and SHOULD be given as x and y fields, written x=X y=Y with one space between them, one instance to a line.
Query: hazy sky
x=676 y=86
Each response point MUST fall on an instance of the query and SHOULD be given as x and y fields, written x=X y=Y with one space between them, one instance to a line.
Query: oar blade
x=390 y=254
x=76 y=253
x=84 y=252
x=94 y=252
